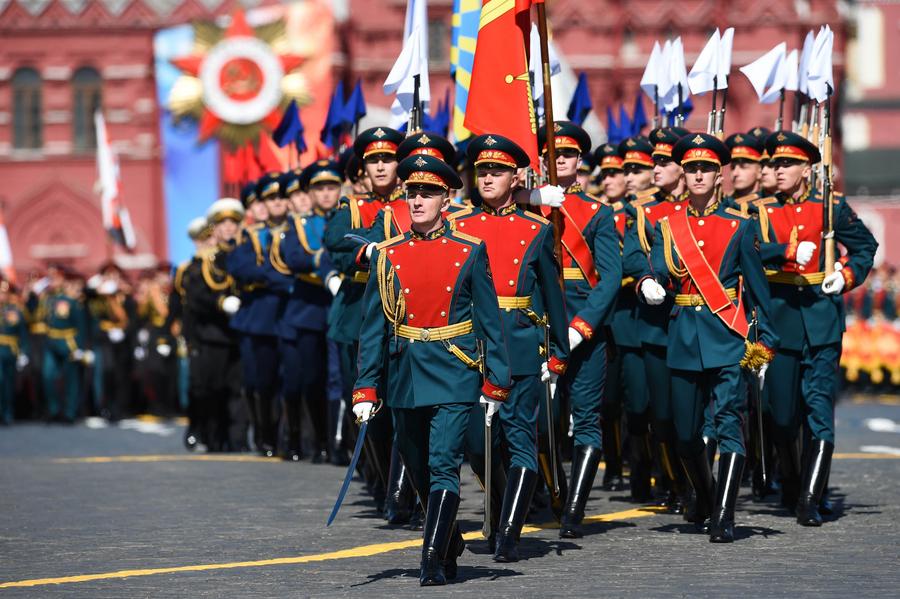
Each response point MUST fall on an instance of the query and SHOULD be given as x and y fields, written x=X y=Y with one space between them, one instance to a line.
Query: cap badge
x=630 y=143
x=420 y=162
x=424 y=139
x=698 y=140
x=379 y=133
x=781 y=137
x=739 y=138
x=490 y=141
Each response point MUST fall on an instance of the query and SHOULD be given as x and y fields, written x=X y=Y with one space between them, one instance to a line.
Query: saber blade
x=350 y=469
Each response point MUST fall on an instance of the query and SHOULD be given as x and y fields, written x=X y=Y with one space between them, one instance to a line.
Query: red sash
x=704 y=278
x=577 y=246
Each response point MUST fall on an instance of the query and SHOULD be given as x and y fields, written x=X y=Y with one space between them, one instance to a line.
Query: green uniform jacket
x=429 y=283
x=804 y=312
x=13 y=331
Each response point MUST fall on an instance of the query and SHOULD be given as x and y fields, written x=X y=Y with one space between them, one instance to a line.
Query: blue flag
x=685 y=110
x=625 y=122
x=331 y=130
x=639 y=117
x=581 y=104
x=613 y=132
x=290 y=129
x=355 y=108
x=440 y=121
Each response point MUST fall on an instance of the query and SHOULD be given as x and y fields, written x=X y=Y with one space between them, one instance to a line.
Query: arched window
x=27 y=109
x=87 y=99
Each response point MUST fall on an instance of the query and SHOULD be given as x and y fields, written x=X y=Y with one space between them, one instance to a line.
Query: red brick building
x=61 y=58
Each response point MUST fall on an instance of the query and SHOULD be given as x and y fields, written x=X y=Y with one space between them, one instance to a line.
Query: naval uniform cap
x=248 y=193
x=320 y=171
x=197 y=227
x=493 y=149
x=225 y=208
x=701 y=147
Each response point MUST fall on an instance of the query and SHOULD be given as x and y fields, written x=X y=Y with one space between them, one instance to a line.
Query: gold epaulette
x=765 y=201
x=650 y=191
x=465 y=237
x=535 y=217
x=617 y=205
x=463 y=211
x=391 y=241
x=640 y=201
x=736 y=213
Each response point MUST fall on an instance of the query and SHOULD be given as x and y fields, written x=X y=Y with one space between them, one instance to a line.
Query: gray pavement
x=225 y=522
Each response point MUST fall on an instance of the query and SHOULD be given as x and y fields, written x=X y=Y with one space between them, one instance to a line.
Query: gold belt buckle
x=799 y=280
x=695 y=299
x=425 y=335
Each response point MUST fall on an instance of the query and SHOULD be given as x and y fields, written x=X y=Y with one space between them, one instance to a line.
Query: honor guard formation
x=416 y=302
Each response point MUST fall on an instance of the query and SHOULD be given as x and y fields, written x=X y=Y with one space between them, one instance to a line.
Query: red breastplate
x=508 y=239
x=713 y=234
x=398 y=212
x=657 y=211
x=428 y=271
x=368 y=210
x=807 y=219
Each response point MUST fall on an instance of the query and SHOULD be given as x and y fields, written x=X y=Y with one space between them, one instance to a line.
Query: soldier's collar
x=706 y=211
x=789 y=200
x=439 y=232
x=501 y=212
x=318 y=211
x=575 y=188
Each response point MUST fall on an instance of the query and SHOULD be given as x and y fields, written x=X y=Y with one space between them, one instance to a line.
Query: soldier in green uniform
x=430 y=305
x=704 y=254
x=64 y=351
x=13 y=349
x=592 y=271
x=807 y=312
x=745 y=169
x=622 y=332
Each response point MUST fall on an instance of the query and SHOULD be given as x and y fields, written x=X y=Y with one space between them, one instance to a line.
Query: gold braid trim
x=209 y=271
x=355 y=218
x=388 y=215
x=179 y=277
x=667 y=250
x=257 y=246
x=763 y=220
x=392 y=303
x=641 y=224
x=301 y=234
x=275 y=255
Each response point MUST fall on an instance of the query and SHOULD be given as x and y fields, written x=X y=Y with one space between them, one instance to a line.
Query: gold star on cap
x=660 y=134
x=739 y=138
x=379 y=133
x=781 y=137
x=698 y=140
x=490 y=141
x=420 y=162
x=630 y=143
x=424 y=139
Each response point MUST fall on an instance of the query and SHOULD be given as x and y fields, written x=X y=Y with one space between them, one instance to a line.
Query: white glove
x=834 y=283
x=164 y=349
x=363 y=410
x=548 y=375
x=492 y=405
x=21 y=362
x=89 y=357
x=653 y=292
x=575 y=339
x=116 y=335
x=761 y=374
x=77 y=355
x=333 y=283
x=107 y=288
x=369 y=249
x=139 y=353
x=547 y=195
x=94 y=281
x=143 y=336
x=804 y=252
x=231 y=304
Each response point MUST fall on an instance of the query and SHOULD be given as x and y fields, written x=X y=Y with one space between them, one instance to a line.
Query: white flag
x=108 y=173
x=6 y=257
x=791 y=65
x=763 y=72
x=413 y=60
x=820 y=77
x=803 y=67
x=537 y=69
x=725 y=44
x=704 y=74
x=677 y=77
x=654 y=82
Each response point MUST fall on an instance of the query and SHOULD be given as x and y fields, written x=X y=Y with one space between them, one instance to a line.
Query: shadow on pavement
x=464 y=574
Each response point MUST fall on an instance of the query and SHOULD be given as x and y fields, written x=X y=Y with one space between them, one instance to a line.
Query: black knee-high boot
x=641 y=467
x=789 y=463
x=440 y=522
x=612 y=454
x=516 y=501
x=585 y=460
x=400 y=500
x=679 y=493
x=697 y=469
x=498 y=488
x=557 y=500
x=815 y=475
x=721 y=524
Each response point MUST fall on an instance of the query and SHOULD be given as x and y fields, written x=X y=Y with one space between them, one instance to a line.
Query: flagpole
x=720 y=120
x=679 y=112
x=655 y=106
x=711 y=119
x=779 y=122
x=555 y=215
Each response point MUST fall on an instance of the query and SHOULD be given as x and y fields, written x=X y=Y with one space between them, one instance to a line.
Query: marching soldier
x=520 y=252
x=653 y=320
x=297 y=256
x=13 y=349
x=745 y=169
x=807 y=313
x=622 y=329
x=592 y=270
x=64 y=349
x=262 y=300
x=210 y=302
x=705 y=253
x=430 y=306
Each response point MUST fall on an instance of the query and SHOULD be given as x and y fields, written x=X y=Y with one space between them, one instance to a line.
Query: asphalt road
x=125 y=512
